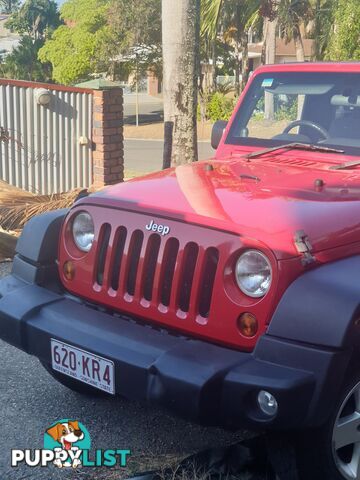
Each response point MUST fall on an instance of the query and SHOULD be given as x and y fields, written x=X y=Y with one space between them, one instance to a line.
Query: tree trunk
x=299 y=45
x=214 y=60
x=317 y=31
x=237 y=51
x=270 y=42
x=244 y=60
x=181 y=28
x=263 y=50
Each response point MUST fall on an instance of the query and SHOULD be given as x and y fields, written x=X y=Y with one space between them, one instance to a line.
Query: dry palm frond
x=15 y=212
x=10 y=194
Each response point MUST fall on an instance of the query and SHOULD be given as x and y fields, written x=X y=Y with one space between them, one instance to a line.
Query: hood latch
x=304 y=247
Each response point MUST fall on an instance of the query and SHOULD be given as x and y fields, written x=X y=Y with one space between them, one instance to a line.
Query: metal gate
x=45 y=136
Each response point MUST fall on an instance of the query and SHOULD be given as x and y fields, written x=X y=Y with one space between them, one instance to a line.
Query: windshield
x=300 y=107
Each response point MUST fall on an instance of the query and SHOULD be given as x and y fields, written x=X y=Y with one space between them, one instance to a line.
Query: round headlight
x=253 y=273
x=83 y=231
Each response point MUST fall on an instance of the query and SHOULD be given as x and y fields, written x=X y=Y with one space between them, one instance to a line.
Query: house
x=285 y=52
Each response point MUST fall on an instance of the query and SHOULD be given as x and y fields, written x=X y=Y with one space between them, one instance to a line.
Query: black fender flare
x=316 y=328
x=37 y=248
x=322 y=307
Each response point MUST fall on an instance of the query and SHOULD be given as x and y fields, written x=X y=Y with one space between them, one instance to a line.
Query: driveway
x=30 y=400
x=147 y=155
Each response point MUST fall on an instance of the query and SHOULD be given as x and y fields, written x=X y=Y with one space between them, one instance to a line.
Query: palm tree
x=322 y=25
x=269 y=12
x=180 y=29
x=292 y=15
x=9 y=6
x=233 y=18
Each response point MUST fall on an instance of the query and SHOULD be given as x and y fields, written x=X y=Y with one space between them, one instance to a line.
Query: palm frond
x=210 y=14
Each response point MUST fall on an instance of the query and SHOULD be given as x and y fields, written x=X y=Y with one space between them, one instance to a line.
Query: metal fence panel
x=40 y=148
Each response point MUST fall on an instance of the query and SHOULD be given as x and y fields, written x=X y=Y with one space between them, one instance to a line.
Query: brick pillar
x=108 y=140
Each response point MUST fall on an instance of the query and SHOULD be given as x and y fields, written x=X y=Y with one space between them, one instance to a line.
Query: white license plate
x=83 y=366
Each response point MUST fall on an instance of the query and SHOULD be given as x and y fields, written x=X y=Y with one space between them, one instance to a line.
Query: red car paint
x=227 y=209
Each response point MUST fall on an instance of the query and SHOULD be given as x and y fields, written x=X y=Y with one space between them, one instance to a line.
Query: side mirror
x=217 y=133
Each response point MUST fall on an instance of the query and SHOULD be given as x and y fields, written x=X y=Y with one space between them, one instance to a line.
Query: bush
x=288 y=111
x=219 y=107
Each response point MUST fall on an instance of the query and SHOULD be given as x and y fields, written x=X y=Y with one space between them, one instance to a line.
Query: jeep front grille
x=183 y=280
x=155 y=269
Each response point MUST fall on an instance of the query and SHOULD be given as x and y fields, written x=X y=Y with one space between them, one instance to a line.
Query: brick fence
x=108 y=140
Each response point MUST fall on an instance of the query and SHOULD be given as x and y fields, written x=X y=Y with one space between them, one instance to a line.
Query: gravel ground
x=30 y=401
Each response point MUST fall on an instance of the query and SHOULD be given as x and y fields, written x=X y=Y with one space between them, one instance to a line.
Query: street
x=31 y=401
x=146 y=156
x=150 y=109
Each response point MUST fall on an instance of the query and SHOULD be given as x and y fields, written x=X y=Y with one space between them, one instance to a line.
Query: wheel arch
x=322 y=307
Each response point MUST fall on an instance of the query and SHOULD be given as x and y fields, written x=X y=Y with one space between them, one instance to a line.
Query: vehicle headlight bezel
x=83 y=231
x=243 y=273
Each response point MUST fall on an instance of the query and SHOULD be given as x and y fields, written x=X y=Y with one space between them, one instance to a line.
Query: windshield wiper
x=293 y=146
x=343 y=166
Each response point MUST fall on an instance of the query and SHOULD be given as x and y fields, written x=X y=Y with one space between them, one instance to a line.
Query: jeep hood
x=255 y=199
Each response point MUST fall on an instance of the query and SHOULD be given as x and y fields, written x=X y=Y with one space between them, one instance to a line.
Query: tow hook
x=304 y=247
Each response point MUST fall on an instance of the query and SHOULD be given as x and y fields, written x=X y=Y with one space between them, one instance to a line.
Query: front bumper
x=194 y=379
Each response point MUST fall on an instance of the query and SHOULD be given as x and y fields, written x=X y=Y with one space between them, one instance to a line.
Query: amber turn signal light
x=247 y=325
x=69 y=270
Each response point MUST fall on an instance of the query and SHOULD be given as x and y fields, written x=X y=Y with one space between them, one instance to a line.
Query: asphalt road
x=150 y=109
x=147 y=155
x=30 y=400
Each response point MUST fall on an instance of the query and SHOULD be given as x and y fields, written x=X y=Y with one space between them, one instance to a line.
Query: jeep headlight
x=253 y=273
x=83 y=231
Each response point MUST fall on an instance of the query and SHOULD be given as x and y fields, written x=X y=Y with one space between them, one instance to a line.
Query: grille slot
x=211 y=262
x=169 y=262
x=151 y=258
x=191 y=253
x=133 y=260
x=119 y=245
x=103 y=247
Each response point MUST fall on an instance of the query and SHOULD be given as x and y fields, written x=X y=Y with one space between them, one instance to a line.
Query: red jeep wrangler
x=228 y=290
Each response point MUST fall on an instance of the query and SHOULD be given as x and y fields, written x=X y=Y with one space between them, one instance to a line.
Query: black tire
x=318 y=457
x=74 y=385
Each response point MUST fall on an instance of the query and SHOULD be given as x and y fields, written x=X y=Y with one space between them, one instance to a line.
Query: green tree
x=76 y=48
x=35 y=18
x=322 y=25
x=232 y=18
x=9 y=6
x=135 y=35
x=34 y=21
x=344 y=43
x=23 y=64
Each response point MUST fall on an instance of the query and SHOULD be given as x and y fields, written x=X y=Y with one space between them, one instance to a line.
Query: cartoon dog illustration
x=66 y=434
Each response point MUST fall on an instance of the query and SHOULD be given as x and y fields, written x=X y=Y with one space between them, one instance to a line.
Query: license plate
x=83 y=366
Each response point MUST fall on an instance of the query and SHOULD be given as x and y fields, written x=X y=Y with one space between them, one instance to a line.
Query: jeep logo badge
x=154 y=227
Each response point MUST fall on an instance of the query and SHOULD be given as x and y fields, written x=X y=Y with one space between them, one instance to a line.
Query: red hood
x=258 y=199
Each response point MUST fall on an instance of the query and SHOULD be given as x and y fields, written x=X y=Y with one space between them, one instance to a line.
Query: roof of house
x=285 y=49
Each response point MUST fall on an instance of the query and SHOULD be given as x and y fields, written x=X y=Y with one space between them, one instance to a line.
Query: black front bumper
x=194 y=379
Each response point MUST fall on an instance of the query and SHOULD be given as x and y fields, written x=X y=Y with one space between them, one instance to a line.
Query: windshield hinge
x=303 y=246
